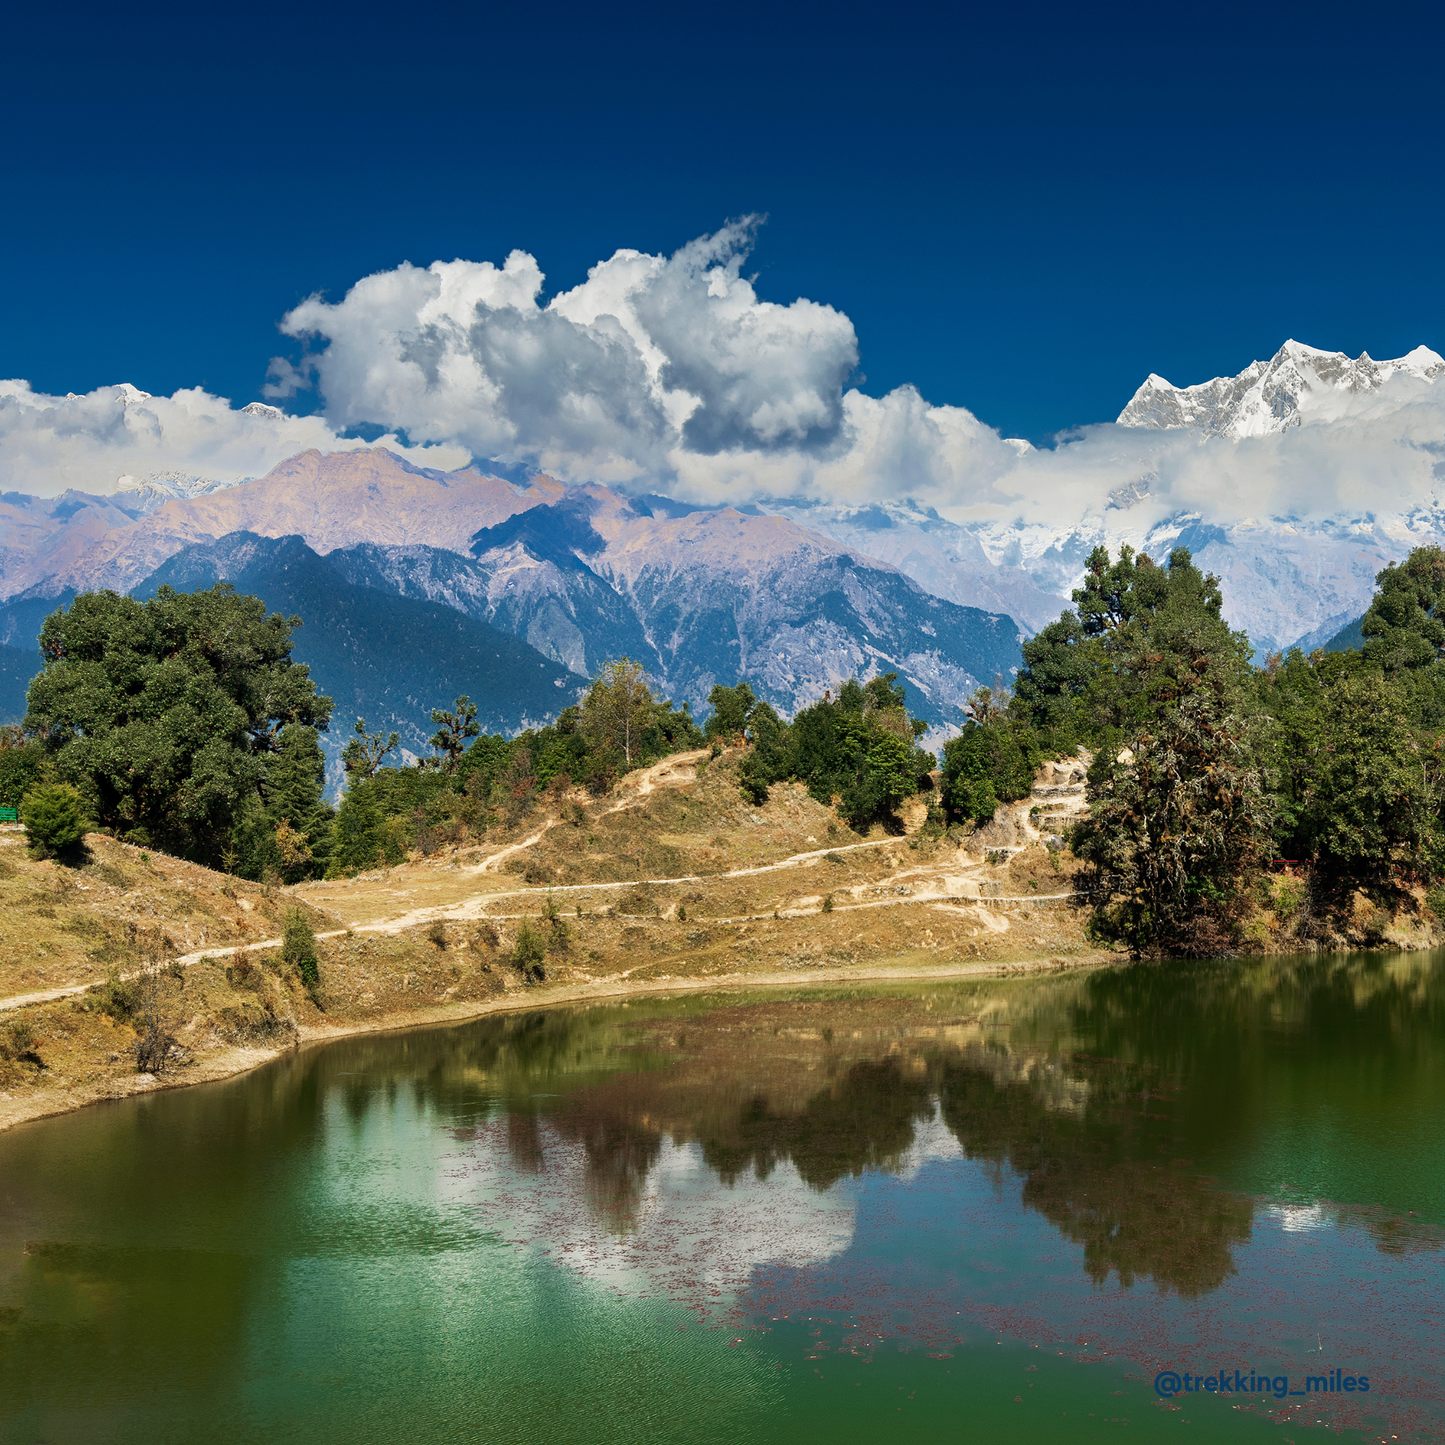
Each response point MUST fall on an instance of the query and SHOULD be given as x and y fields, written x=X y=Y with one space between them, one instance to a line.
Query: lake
x=984 y=1209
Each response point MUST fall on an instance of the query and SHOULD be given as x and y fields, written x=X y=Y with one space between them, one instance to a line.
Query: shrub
x=1287 y=901
x=828 y=903
x=54 y=818
x=118 y=997
x=153 y=1049
x=18 y=1042
x=989 y=764
x=437 y=933
x=529 y=953
x=298 y=949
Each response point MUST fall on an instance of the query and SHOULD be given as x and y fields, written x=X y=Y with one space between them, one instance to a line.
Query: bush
x=989 y=764
x=54 y=818
x=118 y=997
x=17 y=1041
x=437 y=933
x=529 y=953
x=22 y=765
x=298 y=949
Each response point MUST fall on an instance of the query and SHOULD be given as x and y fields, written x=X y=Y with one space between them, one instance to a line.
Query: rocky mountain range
x=1291 y=576
x=387 y=658
x=798 y=592
x=701 y=595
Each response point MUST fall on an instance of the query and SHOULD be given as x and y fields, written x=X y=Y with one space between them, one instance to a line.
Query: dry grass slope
x=673 y=882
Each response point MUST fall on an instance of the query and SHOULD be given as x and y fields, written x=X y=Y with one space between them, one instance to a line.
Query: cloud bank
x=91 y=443
x=672 y=373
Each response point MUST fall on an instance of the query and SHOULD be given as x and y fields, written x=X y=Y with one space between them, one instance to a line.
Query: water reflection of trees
x=864 y=1120
x=1064 y=1081
x=1090 y=1140
x=1101 y=1178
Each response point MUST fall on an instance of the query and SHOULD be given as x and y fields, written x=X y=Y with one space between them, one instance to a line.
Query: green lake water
x=981 y=1210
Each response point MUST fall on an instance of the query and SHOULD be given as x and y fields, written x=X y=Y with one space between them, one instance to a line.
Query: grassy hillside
x=671 y=880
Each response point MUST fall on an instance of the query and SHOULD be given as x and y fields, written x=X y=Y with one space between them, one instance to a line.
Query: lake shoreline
x=233 y=1062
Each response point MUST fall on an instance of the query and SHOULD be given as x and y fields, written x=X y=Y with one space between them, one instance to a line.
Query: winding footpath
x=955 y=889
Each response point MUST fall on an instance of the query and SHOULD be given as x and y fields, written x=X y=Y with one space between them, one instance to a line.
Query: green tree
x=364 y=754
x=454 y=730
x=988 y=764
x=1176 y=823
x=54 y=819
x=529 y=953
x=616 y=710
x=165 y=714
x=1403 y=627
x=1127 y=654
x=23 y=764
x=1368 y=806
x=298 y=949
x=295 y=781
x=858 y=748
x=732 y=709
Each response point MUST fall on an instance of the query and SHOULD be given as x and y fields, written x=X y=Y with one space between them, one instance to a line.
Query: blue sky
x=1022 y=210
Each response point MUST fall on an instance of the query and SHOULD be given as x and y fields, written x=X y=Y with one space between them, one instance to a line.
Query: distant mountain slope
x=720 y=595
x=1350 y=638
x=699 y=595
x=17 y=666
x=553 y=600
x=942 y=557
x=41 y=536
x=388 y=658
x=22 y=617
x=331 y=501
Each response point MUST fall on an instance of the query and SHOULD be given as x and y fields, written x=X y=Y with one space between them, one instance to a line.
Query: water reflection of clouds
x=1298 y=1218
x=688 y=1235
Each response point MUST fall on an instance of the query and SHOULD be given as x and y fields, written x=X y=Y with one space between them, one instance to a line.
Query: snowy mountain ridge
x=1297 y=384
x=145 y=494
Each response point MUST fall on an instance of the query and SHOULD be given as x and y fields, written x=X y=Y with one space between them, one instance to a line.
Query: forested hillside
x=1207 y=771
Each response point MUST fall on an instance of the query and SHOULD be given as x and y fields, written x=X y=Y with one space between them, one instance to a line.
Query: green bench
x=9 y=815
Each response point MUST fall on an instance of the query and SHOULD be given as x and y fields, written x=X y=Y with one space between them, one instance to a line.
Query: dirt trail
x=954 y=882
x=667 y=771
x=489 y=863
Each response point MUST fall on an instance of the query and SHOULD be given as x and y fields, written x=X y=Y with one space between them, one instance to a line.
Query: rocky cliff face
x=942 y=557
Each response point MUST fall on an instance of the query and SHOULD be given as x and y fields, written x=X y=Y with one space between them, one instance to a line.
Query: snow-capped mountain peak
x=145 y=494
x=1299 y=383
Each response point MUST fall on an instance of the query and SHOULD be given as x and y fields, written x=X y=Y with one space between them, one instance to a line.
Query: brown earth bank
x=673 y=883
